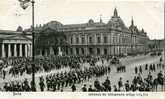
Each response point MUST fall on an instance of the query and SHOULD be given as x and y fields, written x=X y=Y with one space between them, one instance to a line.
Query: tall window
x=82 y=50
x=77 y=51
x=105 y=39
x=83 y=40
x=71 y=51
x=98 y=39
x=71 y=40
x=105 y=51
x=77 y=40
x=90 y=51
x=98 y=51
x=90 y=39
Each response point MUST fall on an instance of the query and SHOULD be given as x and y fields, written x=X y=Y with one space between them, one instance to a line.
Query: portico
x=15 y=46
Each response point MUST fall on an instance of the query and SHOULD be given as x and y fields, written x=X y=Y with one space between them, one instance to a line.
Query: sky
x=146 y=14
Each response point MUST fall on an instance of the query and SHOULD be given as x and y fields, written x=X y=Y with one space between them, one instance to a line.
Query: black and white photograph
x=82 y=46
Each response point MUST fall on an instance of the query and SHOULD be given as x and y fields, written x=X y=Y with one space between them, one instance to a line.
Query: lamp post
x=24 y=4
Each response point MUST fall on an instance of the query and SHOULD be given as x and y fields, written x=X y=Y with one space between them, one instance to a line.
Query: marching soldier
x=84 y=89
x=41 y=83
x=136 y=70
x=73 y=88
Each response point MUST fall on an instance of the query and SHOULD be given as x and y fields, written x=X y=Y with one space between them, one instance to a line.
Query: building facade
x=99 y=38
x=91 y=38
x=14 y=44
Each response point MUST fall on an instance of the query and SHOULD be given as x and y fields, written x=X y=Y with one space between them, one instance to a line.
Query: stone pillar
x=101 y=38
x=15 y=50
x=3 y=50
x=40 y=53
x=26 y=53
x=9 y=50
x=20 y=50
x=30 y=50
x=46 y=52
x=51 y=50
x=59 y=51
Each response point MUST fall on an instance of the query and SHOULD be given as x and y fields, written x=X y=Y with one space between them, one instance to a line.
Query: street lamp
x=24 y=4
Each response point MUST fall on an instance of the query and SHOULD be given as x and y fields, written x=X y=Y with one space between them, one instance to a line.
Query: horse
x=158 y=81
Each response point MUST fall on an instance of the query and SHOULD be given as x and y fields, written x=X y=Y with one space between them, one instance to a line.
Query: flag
x=24 y=3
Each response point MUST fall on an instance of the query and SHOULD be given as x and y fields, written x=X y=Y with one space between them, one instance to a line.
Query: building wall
x=103 y=42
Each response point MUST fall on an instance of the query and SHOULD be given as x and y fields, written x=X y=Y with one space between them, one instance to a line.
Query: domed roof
x=19 y=29
x=91 y=21
x=53 y=25
x=116 y=22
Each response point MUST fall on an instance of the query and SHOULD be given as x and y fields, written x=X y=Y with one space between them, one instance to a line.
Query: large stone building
x=14 y=44
x=91 y=38
x=99 y=38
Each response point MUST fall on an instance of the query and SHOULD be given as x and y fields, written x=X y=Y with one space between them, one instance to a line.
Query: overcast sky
x=148 y=14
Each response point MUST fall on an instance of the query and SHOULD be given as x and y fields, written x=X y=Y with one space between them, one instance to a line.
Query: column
x=51 y=50
x=15 y=50
x=26 y=53
x=31 y=50
x=20 y=50
x=9 y=50
x=40 y=53
x=3 y=50
x=45 y=52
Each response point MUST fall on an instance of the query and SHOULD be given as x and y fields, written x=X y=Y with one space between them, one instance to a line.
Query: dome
x=91 y=21
x=54 y=24
x=19 y=29
x=117 y=22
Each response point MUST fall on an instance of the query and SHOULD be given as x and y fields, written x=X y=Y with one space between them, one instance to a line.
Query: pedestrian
x=127 y=87
x=120 y=83
x=146 y=67
x=115 y=88
x=84 y=89
x=140 y=70
x=90 y=88
x=73 y=88
x=136 y=70
x=42 y=85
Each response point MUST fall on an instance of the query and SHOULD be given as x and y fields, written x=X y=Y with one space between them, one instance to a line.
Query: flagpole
x=33 y=49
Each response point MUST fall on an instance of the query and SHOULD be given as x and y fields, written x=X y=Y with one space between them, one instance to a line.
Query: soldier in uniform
x=136 y=70
x=146 y=67
x=97 y=84
x=107 y=85
x=73 y=88
x=54 y=83
x=26 y=86
x=84 y=89
x=115 y=88
x=90 y=88
x=127 y=87
x=140 y=70
x=6 y=86
x=120 y=83
x=41 y=83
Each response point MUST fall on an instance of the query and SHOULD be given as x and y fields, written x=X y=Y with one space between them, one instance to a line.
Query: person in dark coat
x=42 y=85
x=84 y=89
x=127 y=86
x=73 y=88
x=146 y=67
x=140 y=70
x=120 y=83
x=90 y=88
x=136 y=70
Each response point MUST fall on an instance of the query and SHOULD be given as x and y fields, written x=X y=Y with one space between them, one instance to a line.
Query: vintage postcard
x=82 y=49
